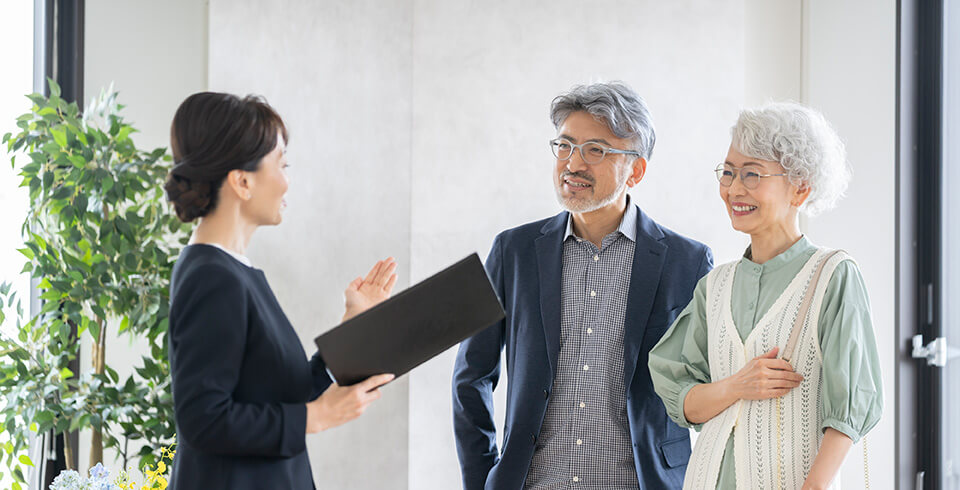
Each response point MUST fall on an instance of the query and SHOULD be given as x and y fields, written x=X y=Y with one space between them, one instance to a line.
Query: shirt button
x=586 y=368
x=756 y=269
x=589 y=330
x=576 y=479
x=750 y=306
x=579 y=442
x=582 y=405
x=593 y=293
x=596 y=258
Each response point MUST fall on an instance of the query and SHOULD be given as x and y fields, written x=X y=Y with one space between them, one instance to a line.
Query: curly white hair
x=803 y=142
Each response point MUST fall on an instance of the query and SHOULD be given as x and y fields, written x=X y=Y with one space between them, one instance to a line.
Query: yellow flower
x=161 y=468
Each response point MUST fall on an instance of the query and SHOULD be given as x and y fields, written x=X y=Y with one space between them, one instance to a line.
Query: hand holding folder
x=414 y=326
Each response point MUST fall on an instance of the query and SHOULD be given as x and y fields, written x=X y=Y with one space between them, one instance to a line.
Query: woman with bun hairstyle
x=245 y=395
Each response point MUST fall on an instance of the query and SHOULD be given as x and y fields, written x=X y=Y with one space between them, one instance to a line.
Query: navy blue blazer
x=525 y=268
x=240 y=376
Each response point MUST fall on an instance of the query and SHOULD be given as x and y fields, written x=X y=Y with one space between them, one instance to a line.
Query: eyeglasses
x=749 y=178
x=591 y=152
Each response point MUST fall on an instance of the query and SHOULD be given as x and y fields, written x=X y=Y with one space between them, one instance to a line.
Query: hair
x=803 y=142
x=212 y=134
x=616 y=104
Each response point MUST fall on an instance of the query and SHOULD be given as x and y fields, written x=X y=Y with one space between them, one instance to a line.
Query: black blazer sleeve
x=210 y=311
x=321 y=379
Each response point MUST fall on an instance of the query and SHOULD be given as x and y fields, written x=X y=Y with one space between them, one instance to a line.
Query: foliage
x=101 y=240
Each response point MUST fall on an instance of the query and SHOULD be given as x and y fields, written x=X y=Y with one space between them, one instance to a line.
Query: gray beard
x=591 y=204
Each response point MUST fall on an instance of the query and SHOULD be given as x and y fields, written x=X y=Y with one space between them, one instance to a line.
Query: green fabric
x=852 y=389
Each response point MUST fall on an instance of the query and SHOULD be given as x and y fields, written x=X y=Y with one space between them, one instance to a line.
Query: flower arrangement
x=99 y=479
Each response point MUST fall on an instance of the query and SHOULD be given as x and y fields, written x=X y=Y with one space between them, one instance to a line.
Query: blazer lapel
x=549 y=264
x=648 y=257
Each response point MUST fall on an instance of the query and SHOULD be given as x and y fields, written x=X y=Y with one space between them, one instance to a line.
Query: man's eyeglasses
x=749 y=178
x=591 y=152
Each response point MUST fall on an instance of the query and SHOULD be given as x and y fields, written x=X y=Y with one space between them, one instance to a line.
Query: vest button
x=546 y=394
x=533 y=438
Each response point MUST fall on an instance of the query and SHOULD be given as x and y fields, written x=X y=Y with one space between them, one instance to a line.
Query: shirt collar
x=795 y=251
x=628 y=224
x=239 y=258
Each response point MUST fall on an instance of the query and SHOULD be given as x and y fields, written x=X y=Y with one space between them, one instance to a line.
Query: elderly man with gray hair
x=587 y=293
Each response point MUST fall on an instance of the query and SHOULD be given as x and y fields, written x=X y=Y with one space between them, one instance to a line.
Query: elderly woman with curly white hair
x=774 y=360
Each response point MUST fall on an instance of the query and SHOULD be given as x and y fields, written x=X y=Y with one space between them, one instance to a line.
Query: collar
x=239 y=258
x=627 y=228
x=795 y=251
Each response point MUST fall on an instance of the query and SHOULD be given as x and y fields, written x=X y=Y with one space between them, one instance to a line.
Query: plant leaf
x=60 y=136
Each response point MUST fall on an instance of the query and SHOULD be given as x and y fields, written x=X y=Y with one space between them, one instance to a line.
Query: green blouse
x=852 y=398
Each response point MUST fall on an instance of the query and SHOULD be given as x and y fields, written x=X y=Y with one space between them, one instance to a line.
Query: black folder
x=417 y=324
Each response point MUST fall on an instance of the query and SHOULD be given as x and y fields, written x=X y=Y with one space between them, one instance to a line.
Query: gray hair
x=803 y=142
x=616 y=104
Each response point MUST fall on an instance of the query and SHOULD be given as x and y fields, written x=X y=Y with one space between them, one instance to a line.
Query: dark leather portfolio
x=412 y=327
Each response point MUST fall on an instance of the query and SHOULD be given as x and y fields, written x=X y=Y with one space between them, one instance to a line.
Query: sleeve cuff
x=843 y=427
x=293 y=440
x=681 y=418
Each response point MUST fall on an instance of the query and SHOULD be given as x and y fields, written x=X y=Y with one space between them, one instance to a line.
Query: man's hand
x=364 y=293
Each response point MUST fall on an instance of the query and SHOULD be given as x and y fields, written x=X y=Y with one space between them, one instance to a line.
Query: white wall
x=850 y=74
x=419 y=130
x=340 y=75
x=485 y=166
x=16 y=27
x=439 y=116
x=155 y=54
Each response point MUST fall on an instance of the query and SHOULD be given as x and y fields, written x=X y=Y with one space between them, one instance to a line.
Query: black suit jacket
x=241 y=379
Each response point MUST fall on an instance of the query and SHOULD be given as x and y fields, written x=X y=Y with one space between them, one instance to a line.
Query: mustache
x=578 y=175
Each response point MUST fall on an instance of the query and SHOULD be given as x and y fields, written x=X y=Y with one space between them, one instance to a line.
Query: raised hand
x=764 y=377
x=363 y=293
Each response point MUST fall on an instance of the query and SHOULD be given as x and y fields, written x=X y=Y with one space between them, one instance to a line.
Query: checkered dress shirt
x=584 y=442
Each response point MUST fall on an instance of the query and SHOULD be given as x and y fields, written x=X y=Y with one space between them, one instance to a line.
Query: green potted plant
x=101 y=240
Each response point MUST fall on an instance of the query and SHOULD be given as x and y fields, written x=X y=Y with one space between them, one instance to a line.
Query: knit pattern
x=754 y=422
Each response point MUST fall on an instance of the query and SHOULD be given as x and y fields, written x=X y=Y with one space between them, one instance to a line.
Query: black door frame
x=920 y=67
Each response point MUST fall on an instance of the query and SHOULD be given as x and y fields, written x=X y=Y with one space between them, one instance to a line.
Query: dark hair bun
x=191 y=200
x=213 y=134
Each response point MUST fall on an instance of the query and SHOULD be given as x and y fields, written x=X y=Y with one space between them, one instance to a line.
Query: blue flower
x=98 y=472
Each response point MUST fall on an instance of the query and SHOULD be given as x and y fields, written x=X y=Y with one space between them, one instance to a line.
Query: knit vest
x=754 y=422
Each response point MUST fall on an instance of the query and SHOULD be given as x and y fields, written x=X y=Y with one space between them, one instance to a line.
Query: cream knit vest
x=753 y=422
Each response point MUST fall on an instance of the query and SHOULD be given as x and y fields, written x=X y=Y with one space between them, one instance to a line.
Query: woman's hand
x=763 y=377
x=341 y=404
x=364 y=293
